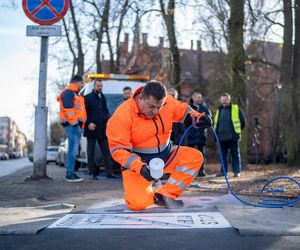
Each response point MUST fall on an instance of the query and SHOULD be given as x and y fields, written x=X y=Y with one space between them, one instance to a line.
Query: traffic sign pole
x=44 y=12
x=41 y=111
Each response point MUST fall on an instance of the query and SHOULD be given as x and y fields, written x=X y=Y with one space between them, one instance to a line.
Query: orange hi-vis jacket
x=76 y=113
x=131 y=134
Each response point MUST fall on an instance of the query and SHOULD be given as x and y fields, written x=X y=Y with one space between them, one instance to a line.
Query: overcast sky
x=18 y=66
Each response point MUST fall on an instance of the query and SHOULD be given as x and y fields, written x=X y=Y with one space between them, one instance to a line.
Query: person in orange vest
x=72 y=117
x=139 y=131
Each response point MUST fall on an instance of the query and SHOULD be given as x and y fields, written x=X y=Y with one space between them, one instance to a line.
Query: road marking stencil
x=186 y=220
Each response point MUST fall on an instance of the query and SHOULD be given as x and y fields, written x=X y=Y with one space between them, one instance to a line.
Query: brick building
x=11 y=138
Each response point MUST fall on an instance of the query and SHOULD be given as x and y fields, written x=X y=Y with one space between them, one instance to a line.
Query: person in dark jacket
x=229 y=122
x=95 y=127
x=196 y=137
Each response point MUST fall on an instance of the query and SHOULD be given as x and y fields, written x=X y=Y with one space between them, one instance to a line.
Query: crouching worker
x=139 y=131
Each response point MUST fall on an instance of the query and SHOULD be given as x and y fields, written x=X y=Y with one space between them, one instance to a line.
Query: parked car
x=81 y=157
x=4 y=156
x=52 y=152
x=30 y=156
x=14 y=155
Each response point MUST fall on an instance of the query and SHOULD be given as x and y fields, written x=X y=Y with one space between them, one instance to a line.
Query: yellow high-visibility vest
x=234 y=117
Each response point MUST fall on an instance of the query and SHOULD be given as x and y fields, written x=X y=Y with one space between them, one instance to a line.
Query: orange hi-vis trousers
x=183 y=169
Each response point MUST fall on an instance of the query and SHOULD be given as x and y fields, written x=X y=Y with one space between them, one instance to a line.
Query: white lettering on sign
x=43 y=30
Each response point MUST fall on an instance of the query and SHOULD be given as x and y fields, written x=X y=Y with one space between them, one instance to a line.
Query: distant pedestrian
x=197 y=136
x=127 y=92
x=95 y=127
x=72 y=117
x=177 y=127
x=229 y=122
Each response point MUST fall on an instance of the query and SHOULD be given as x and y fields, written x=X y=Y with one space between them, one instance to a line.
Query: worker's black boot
x=167 y=202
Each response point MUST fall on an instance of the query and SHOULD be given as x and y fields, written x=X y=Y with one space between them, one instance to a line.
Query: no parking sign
x=45 y=12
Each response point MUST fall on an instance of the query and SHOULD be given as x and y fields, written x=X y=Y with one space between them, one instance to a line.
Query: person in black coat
x=95 y=129
x=197 y=136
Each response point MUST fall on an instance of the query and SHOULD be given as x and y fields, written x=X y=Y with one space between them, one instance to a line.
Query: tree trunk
x=175 y=58
x=286 y=78
x=105 y=19
x=123 y=13
x=103 y=24
x=236 y=50
x=237 y=66
x=294 y=156
x=80 y=55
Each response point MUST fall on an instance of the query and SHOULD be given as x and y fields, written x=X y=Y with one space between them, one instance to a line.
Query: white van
x=113 y=85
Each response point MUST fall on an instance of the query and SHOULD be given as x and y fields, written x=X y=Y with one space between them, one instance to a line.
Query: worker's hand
x=92 y=126
x=205 y=120
x=145 y=172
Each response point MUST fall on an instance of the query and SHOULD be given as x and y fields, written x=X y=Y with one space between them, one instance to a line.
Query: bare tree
x=124 y=10
x=79 y=59
x=168 y=17
x=291 y=80
x=237 y=66
x=236 y=49
x=294 y=157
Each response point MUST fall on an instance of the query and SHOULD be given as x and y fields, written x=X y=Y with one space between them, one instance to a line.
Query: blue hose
x=267 y=203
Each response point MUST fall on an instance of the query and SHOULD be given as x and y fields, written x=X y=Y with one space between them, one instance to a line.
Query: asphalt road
x=227 y=239
x=152 y=239
x=10 y=166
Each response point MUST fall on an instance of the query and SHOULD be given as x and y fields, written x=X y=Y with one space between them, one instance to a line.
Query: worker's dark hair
x=127 y=88
x=76 y=78
x=155 y=89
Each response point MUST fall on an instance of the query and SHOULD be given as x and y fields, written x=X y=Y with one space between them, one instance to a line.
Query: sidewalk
x=16 y=192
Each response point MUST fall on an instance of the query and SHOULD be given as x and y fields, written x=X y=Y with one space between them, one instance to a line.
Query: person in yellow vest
x=72 y=117
x=228 y=123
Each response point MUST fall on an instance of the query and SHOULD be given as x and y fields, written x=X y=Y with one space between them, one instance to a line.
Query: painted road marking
x=186 y=220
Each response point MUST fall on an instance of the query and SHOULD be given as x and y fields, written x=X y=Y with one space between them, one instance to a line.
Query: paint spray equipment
x=156 y=167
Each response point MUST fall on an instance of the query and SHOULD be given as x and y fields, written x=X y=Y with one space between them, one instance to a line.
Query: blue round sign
x=45 y=11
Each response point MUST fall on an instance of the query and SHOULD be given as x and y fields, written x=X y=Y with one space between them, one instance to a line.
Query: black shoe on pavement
x=94 y=177
x=202 y=173
x=73 y=178
x=167 y=202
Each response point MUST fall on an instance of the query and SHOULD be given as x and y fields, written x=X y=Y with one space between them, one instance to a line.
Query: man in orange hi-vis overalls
x=72 y=117
x=139 y=131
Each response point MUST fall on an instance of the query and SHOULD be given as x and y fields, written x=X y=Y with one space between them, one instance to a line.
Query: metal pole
x=41 y=111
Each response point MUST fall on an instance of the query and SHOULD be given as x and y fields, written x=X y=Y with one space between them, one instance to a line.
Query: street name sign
x=43 y=30
x=45 y=12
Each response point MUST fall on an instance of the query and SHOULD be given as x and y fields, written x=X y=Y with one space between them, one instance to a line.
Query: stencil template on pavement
x=143 y=220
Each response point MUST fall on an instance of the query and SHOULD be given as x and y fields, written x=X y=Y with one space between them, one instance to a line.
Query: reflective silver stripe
x=63 y=120
x=130 y=160
x=185 y=114
x=70 y=113
x=177 y=183
x=150 y=150
x=186 y=171
x=74 y=123
x=118 y=147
